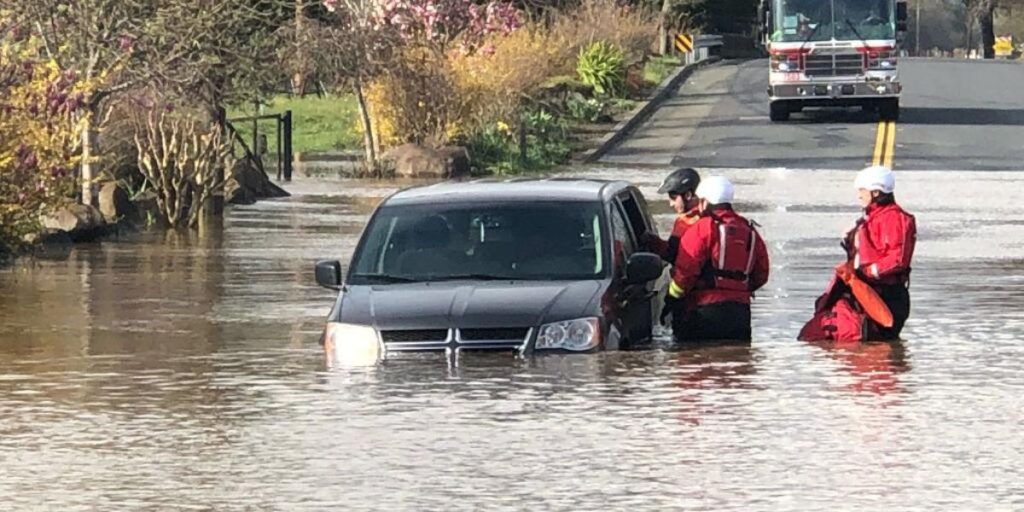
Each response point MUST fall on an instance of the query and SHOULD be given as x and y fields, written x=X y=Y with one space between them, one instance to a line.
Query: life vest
x=867 y=247
x=732 y=256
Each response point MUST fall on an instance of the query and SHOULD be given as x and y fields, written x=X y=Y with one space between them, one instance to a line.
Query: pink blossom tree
x=439 y=23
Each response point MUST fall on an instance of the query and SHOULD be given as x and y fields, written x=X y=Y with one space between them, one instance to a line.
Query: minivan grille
x=432 y=340
x=516 y=334
x=414 y=335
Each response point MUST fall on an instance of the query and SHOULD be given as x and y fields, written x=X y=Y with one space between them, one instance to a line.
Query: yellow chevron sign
x=684 y=43
x=1003 y=46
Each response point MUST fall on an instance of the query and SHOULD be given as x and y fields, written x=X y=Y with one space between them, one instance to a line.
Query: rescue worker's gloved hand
x=672 y=307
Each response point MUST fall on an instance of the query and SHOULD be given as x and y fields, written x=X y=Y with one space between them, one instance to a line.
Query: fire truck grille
x=850 y=64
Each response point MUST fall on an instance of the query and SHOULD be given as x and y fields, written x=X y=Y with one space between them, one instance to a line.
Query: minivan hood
x=468 y=304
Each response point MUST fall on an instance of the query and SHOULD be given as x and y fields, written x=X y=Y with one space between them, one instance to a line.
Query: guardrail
x=695 y=48
x=705 y=46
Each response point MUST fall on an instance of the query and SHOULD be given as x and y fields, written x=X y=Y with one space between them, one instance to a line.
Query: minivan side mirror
x=643 y=267
x=328 y=274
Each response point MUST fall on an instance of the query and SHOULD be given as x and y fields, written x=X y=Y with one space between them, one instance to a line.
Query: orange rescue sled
x=873 y=305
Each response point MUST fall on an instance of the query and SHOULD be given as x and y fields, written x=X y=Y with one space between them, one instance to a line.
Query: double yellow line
x=885 y=144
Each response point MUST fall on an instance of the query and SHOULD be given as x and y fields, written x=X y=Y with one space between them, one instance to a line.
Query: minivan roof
x=517 y=189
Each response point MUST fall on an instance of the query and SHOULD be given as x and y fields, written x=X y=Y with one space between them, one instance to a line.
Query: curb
x=643 y=111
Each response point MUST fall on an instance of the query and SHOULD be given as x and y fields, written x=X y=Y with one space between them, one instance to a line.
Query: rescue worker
x=722 y=261
x=681 y=187
x=881 y=245
x=878 y=248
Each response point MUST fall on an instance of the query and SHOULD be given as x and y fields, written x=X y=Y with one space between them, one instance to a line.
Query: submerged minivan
x=524 y=266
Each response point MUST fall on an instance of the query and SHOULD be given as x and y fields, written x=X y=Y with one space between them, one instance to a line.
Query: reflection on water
x=874 y=366
x=181 y=371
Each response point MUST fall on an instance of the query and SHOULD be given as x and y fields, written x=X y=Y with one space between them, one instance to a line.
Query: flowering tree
x=39 y=136
x=441 y=22
x=95 y=39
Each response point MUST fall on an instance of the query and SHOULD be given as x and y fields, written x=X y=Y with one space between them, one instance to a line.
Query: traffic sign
x=1003 y=46
x=684 y=43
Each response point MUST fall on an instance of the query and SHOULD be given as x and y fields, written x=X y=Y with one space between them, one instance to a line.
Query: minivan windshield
x=824 y=20
x=439 y=242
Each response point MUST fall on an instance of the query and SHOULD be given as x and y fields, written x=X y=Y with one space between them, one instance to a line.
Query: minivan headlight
x=351 y=345
x=575 y=335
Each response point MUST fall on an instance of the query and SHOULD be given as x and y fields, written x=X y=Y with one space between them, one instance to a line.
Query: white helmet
x=716 y=190
x=876 y=177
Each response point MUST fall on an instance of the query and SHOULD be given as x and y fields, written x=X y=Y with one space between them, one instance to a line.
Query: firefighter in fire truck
x=722 y=261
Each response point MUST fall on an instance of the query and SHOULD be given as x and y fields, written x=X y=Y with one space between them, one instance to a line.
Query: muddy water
x=164 y=372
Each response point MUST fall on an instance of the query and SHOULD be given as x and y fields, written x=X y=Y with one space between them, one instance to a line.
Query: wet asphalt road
x=956 y=115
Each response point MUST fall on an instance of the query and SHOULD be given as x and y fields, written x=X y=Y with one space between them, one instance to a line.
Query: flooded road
x=183 y=372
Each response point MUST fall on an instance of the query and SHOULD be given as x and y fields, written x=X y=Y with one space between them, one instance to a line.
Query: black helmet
x=680 y=181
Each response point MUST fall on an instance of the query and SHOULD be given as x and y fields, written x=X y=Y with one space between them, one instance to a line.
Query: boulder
x=248 y=183
x=414 y=161
x=82 y=222
x=114 y=203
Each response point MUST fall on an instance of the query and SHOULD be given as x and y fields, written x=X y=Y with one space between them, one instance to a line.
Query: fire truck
x=833 y=53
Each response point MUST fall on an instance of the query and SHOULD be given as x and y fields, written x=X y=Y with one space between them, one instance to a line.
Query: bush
x=462 y=97
x=493 y=84
x=416 y=101
x=602 y=66
x=630 y=29
x=496 y=149
x=590 y=110
x=184 y=159
x=39 y=138
x=509 y=71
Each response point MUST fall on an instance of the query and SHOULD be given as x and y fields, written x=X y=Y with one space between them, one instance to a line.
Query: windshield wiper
x=385 y=278
x=856 y=33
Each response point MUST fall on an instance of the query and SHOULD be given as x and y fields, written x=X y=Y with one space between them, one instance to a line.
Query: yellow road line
x=890 y=144
x=885 y=144
x=876 y=157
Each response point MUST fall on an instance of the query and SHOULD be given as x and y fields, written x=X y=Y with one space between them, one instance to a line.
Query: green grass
x=318 y=124
x=659 y=67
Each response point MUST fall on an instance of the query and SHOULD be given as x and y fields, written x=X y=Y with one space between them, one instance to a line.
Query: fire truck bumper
x=835 y=92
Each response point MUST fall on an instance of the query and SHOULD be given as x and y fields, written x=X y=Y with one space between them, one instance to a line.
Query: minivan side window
x=635 y=213
x=621 y=239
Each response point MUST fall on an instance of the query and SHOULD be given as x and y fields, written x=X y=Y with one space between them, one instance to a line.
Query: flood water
x=165 y=372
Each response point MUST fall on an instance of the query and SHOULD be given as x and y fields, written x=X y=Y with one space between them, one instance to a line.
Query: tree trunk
x=364 y=117
x=299 y=79
x=666 y=7
x=988 y=32
x=88 y=150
